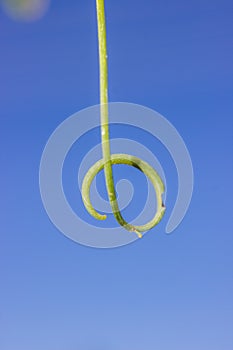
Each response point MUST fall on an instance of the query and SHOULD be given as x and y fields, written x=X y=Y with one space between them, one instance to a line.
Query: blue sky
x=164 y=291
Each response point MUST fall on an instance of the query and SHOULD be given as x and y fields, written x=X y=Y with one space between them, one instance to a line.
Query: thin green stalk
x=108 y=159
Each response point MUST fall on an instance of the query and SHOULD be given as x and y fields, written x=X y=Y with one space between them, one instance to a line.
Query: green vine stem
x=108 y=160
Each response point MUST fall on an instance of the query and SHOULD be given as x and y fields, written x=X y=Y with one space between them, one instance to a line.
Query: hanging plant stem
x=108 y=160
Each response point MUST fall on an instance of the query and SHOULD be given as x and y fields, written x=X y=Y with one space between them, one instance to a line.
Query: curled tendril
x=108 y=160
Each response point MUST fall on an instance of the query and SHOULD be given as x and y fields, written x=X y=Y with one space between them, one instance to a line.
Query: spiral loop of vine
x=108 y=160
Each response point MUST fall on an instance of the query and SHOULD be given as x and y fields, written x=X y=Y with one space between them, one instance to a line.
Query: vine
x=108 y=160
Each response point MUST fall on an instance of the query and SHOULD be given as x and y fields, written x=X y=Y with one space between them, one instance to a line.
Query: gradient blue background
x=162 y=292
